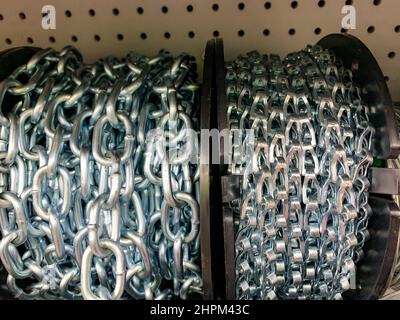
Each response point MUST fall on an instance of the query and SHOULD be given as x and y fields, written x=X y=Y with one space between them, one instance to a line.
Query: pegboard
x=101 y=27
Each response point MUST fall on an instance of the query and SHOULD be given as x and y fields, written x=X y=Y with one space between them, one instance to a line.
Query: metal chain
x=91 y=207
x=302 y=219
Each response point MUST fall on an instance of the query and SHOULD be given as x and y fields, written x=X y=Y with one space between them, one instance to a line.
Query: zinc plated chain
x=90 y=208
x=302 y=219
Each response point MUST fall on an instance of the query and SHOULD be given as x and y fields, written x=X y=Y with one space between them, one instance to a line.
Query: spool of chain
x=307 y=180
x=305 y=131
x=91 y=207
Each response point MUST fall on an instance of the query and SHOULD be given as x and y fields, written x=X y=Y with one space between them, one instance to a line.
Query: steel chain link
x=91 y=207
x=302 y=219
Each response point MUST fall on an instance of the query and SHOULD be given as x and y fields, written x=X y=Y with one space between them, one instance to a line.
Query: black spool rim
x=207 y=192
x=225 y=213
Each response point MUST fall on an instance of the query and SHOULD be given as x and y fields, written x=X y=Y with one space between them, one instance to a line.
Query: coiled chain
x=302 y=219
x=91 y=206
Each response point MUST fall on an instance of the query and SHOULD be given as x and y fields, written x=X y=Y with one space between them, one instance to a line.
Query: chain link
x=90 y=205
x=303 y=216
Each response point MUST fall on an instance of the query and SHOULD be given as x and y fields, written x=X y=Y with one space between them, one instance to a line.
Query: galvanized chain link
x=91 y=206
x=302 y=219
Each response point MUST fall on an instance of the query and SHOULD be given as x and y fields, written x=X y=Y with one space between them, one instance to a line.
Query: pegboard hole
x=371 y=29
x=8 y=41
x=215 y=6
x=294 y=4
x=29 y=40
x=120 y=36
x=266 y=32
x=189 y=8
x=241 y=33
x=115 y=11
x=139 y=10
x=267 y=5
x=52 y=39
x=97 y=38
x=22 y=16
x=292 y=32
x=68 y=13
x=167 y=35
x=74 y=39
x=191 y=34
x=143 y=36
x=321 y=3
x=241 y=6
x=317 y=31
x=397 y=29
x=216 y=33
x=92 y=13
x=343 y=30
x=164 y=9
x=377 y=2
x=349 y=2
x=387 y=78
x=391 y=54
x=1 y=17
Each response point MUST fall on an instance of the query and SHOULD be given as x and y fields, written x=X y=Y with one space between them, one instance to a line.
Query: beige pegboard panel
x=102 y=27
